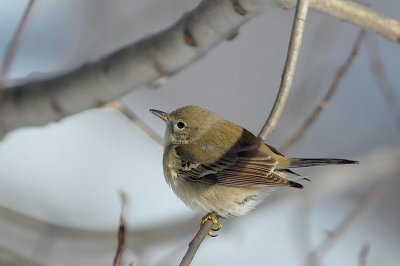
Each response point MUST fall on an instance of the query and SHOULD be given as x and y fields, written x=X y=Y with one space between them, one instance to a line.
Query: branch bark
x=160 y=55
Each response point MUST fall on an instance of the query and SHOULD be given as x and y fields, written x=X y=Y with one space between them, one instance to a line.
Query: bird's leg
x=213 y=217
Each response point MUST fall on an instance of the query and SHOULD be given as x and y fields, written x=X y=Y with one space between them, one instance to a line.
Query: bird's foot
x=211 y=216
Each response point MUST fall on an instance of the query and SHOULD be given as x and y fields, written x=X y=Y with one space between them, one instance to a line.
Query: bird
x=219 y=167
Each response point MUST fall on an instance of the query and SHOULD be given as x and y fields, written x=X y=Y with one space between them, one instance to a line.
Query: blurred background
x=59 y=184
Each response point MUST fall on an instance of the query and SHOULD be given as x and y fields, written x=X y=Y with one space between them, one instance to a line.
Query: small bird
x=217 y=166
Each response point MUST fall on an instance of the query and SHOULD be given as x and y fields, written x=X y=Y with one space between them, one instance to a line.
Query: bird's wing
x=246 y=164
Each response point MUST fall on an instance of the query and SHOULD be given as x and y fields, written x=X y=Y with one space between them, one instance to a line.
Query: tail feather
x=295 y=184
x=299 y=162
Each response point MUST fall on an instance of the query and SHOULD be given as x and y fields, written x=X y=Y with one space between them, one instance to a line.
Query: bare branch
x=289 y=69
x=362 y=256
x=121 y=241
x=8 y=257
x=377 y=69
x=121 y=233
x=362 y=16
x=370 y=199
x=342 y=70
x=119 y=106
x=195 y=243
x=160 y=55
x=14 y=44
x=141 y=63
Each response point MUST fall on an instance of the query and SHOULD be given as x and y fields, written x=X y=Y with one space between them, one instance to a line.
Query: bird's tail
x=299 y=162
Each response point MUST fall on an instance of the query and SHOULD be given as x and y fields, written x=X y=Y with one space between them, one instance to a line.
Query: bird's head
x=186 y=124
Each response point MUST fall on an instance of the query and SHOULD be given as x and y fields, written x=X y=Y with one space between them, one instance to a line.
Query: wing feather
x=246 y=164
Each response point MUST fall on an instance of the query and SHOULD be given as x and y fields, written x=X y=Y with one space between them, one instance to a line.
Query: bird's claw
x=214 y=220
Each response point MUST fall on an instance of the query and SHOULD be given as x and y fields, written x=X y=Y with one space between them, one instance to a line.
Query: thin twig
x=377 y=69
x=121 y=107
x=340 y=73
x=13 y=46
x=374 y=196
x=195 y=243
x=362 y=256
x=121 y=233
x=289 y=69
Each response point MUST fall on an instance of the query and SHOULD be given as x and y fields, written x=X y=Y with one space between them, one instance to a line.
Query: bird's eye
x=181 y=125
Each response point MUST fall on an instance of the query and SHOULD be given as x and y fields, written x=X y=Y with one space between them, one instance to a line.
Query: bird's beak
x=160 y=114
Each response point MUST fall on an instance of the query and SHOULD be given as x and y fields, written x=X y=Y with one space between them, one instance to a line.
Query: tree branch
x=14 y=44
x=121 y=232
x=362 y=256
x=195 y=243
x=377 y=69
x=362 y=16
x=288 y=71
x=121 y=241
x=122 y=108
x=370 y=199
x=329 y=94
x=160 y=55
x=8 y=257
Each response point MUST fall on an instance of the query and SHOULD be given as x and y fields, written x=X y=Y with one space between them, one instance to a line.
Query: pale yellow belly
x=224 y=200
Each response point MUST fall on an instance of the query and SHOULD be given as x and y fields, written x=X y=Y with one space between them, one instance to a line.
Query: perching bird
x=217 y=166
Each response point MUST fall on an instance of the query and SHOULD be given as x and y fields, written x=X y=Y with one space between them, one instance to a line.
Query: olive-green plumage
x=218 y=166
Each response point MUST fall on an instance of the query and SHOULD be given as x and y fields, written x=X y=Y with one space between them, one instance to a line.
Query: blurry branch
x=377 y=69
x=121 y=233
x=288 y=71
x=360 y=15
x=315 y=257
x=11 y=259
x=121 y=241
x=141 y=240
x=287 y=78
x=119 y=106
x=12 y=48
x=158 y=56
x=362 y=256
x=329 y=94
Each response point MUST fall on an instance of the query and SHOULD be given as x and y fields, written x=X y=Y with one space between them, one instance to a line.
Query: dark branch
x=121 y=233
